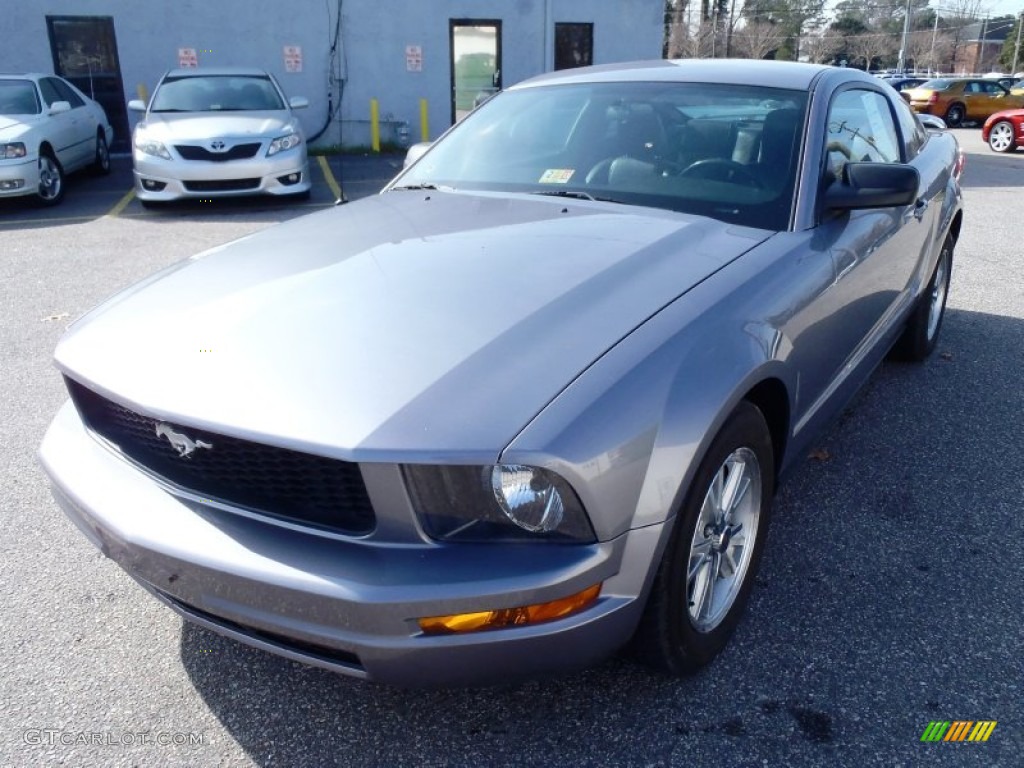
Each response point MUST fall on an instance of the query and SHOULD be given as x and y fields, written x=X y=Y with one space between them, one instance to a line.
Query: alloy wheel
x=938 y=298
x=723 y=540
x=1000 y=138
x=49 y=178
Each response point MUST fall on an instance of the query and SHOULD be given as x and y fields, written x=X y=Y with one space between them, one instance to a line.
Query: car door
x=83 y=125
x=876 y=252
x=58 y=129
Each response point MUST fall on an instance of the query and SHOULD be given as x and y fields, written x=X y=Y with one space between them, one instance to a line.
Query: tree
x=1010 y=48
x=756 y=39
x=792 y=16
x=676 y=33
x=870 y=46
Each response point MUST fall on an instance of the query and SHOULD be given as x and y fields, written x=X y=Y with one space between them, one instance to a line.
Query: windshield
x=216 y=93
x=936 y=85
x=725 y=151
x=18 y=97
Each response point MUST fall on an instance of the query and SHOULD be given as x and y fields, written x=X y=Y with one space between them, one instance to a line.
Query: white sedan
x=48 y=128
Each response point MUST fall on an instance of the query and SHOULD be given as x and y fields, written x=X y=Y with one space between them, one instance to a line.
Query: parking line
x=122 y=203
x=329 y=177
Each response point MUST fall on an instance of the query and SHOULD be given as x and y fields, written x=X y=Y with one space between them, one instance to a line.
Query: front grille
x=237 y=152
x=291 y=485
x=222 y=185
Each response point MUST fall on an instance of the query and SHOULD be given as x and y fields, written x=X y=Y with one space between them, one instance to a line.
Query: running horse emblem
x=183 y=444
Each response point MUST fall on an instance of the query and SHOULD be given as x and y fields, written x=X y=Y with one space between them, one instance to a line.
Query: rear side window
x=861 y=130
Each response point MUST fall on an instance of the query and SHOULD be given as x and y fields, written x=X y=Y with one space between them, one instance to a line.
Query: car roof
x=25 y=75
x=773 y=74
x=216 y=71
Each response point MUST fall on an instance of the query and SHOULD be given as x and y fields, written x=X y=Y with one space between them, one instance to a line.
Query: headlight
x=507 y=502
x=151 y=147
x=11 y=151
x=281 y=143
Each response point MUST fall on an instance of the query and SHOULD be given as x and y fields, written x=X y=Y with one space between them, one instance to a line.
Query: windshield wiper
x=415 y=187
x=577 y=195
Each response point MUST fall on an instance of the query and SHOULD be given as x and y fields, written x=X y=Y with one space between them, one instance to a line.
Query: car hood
x=13 y=127
x=176 y=126
x=407 y=325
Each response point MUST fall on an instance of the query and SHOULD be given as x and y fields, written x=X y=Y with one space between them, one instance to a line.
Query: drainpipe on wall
x=549 y=30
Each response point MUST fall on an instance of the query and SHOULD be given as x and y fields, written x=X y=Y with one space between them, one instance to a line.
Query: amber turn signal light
x=510 y=617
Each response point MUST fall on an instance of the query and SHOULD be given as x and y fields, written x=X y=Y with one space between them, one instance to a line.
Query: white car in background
x=218 y=132
x=48 y=128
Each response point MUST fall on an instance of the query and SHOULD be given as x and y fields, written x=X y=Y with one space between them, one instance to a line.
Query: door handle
x=919 y=208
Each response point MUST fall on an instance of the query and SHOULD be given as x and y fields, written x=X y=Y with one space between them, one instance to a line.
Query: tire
x=922 y=332
x=51 y=179
x=1001 y=138
x=955 y=115
x=680 y=630
x=101 y=161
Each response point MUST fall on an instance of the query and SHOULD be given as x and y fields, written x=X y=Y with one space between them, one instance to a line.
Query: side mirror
x=416 y=151
x=932 y=122
x=60 y=107
x=137 y=105
x=298 y=102
x=873 y=185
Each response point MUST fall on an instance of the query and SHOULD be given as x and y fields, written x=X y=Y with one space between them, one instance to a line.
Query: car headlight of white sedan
x=12 y=151
x=152 y=147
x=284 y=143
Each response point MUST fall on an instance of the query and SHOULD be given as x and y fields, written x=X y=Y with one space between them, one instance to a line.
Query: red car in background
x=1004 y=131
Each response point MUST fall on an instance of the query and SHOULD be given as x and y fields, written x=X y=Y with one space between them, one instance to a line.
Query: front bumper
x=24 y=170
x=261 y=176
x=345 y=604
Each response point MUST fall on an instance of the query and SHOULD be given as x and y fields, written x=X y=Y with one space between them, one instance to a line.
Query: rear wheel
x=955 y=115
x=101 y=161
x=708 y=569
x=922 y=332
x=1000 y=137
x=51 y=179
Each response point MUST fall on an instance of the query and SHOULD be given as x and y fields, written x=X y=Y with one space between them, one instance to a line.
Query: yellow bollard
x=375 y=125
x=142 y=93
x=424 y=125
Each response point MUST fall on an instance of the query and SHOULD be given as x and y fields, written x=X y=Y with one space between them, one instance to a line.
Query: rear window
x=936 y=85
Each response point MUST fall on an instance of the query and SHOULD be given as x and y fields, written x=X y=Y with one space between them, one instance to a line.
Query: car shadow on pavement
x=886 y=573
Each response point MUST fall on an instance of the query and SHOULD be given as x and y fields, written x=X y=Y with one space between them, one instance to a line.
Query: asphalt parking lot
x=890 y=595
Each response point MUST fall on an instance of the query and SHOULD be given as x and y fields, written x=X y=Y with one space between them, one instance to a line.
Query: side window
x=50 y=93
x=913 y=132
x=994 y=89
x=860 y=130
x=67 y=93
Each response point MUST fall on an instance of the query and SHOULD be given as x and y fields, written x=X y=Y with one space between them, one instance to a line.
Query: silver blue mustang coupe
x=529 y=404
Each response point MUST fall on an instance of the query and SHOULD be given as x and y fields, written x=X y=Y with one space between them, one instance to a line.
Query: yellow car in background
x=957 y=100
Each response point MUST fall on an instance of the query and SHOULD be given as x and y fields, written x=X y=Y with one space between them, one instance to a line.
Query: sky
x=1003 y=7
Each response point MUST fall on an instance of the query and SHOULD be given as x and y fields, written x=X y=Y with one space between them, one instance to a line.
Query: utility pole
x=901 y=65
x=1016 y=46
x=931 y=53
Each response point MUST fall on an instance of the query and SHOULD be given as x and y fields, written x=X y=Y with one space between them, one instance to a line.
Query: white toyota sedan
x=218 y=132
x=48 y=128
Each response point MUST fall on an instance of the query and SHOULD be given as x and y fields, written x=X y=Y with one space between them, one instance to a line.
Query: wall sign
x=293 y=58
x=414 y=58
x=188 y=58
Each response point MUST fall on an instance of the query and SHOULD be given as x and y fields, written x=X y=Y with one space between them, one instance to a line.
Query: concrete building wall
x=371 y=60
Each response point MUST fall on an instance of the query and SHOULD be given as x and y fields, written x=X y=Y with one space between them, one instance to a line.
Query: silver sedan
x=218 y=132
x=530 y=404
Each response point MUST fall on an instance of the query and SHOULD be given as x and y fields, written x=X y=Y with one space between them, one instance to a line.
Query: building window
x=574 y=45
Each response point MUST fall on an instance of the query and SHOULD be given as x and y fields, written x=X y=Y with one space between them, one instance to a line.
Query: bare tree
x=821 y=45
x=756 y=39
x=870 y=46
x=676 y=32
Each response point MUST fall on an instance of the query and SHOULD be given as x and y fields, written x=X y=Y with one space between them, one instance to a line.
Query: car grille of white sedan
x=291 y=485
x=237 y=152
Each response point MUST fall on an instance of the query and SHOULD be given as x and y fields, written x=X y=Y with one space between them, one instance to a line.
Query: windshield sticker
x=557 y=175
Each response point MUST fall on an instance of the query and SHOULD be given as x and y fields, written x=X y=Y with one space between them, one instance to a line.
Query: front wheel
x=708 y=569
x=922 y=332
x=1000 y=137
x=51 y=179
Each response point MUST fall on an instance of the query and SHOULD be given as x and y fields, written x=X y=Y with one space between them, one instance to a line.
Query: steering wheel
x=721 y=169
